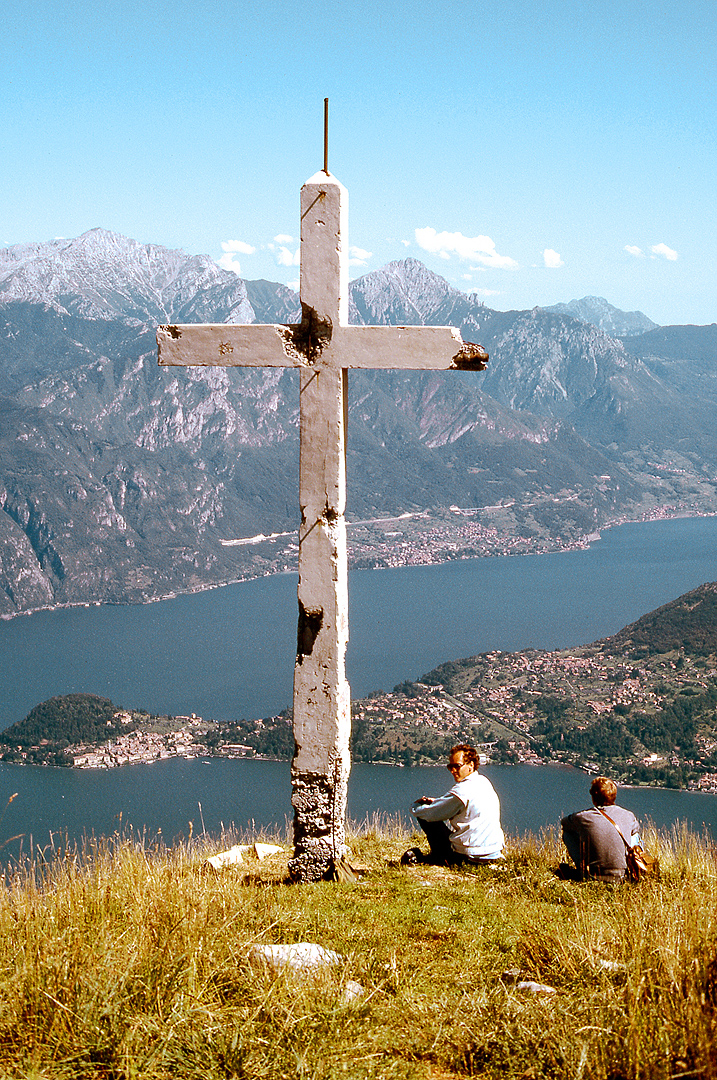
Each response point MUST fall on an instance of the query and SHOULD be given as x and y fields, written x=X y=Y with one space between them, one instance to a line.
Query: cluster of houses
x=504 y=690
x=140 y=746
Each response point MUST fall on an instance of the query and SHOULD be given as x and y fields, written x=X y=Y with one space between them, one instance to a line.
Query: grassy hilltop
x=131 y=961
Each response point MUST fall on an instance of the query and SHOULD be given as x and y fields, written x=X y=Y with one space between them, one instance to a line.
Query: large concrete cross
x=323 y=347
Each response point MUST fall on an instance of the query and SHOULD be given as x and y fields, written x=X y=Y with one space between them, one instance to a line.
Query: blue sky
x=532 y=152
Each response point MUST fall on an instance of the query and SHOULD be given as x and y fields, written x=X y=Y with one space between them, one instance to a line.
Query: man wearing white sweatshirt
x=462 y=826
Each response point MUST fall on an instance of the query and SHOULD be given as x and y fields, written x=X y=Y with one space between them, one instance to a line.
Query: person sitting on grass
x=463 y=826
x=594 y=843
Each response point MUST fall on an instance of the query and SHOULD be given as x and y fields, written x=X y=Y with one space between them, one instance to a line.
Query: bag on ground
x=640 y=865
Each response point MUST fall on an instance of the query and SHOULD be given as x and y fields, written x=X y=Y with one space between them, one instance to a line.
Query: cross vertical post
x=322 y=700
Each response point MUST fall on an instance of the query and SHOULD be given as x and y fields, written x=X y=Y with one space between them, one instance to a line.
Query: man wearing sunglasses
x=463 y=826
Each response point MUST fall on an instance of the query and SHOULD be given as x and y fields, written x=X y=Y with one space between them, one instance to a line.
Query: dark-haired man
x=464 y=824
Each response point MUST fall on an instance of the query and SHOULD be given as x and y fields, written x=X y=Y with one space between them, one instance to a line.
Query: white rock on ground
x=304 y=958
x=232 y=857
x=530 y=987
x=235 y=855
x=301 y=955
x=262 y=851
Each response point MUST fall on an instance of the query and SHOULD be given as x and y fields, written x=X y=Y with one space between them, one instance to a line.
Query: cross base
x=319 y=838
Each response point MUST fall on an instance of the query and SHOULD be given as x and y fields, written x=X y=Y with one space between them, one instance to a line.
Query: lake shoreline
x=227 y=654
x=209 y=758
x=556 y=548
x=56 y=805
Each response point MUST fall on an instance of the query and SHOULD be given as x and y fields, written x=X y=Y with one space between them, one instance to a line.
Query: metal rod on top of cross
x=323 y=347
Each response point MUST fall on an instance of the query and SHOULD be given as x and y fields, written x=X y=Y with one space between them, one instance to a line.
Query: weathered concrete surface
x=207 y=345
x=322 y=699
x=324 y=347
x=324 y=276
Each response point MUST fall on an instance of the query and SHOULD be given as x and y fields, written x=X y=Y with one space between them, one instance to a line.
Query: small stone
x=352 y=992
x=262 y=851
x=232 y=857
x=610 y=965
x=301 y=956
x=530 y=987
x=512 y=974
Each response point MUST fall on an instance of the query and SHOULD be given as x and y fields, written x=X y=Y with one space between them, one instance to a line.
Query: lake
x=229 y=652
x=166 y=796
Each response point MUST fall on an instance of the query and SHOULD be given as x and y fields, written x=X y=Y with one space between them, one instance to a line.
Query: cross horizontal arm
x=294 y=345
x=426 y=348
x=209 y=345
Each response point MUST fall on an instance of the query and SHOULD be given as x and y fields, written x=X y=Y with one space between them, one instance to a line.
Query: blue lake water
x=229 y=652
x=215 y=794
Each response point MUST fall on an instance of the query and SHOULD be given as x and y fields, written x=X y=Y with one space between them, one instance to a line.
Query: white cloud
x=406 y=243
x=287 y=258
x=480 y=249
x=358 y=256
x=663 y=249
x=657 y=249
x=485 y=292
x=229 y=262
x=238 y=245
x=293 y=285
x=552 y=259
x=283 y=238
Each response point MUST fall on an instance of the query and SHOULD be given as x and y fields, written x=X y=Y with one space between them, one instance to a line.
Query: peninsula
x=640 y=706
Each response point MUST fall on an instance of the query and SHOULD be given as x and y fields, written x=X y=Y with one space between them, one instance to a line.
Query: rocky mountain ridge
x=596 y=310
x=123 y=482
x=103 y=275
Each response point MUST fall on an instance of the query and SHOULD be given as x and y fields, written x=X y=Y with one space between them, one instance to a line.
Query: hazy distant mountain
x=119 y=480
x=406 y=293
x=695 y=344
x=596 y=310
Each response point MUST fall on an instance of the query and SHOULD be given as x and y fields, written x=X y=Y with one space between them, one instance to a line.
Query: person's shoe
x=566 y=872
x=412 y=857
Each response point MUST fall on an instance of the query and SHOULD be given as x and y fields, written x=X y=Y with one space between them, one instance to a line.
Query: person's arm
x=439 y=809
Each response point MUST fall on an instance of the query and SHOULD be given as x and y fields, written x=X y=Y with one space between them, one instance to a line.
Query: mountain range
x=122 y=482
x=596 y=310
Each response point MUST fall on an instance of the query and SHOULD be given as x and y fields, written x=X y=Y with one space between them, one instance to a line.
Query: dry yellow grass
x=130 y=961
